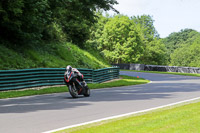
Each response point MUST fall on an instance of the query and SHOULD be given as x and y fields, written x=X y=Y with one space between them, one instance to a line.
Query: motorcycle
x=75 y=86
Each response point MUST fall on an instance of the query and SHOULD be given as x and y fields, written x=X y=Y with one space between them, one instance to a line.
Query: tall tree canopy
x=154 y=49
x=146 y=24
x=128 y=40
x=187 y=55
x=121 y=40
x=30 y=20
x=175 y=39
x=154 y=53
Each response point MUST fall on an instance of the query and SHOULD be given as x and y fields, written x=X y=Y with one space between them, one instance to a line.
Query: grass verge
x=175 y=73
x=180 y=119
x=49 y=55
x=125 y=81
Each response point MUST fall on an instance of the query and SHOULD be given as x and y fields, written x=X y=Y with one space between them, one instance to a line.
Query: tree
x=77 y=17
x=128 y=40
x=23 y=20
x=146 y=24
x=96 y=31
x=176 y=39
x=155 y=53
x=33 y=20
x=187 y=55
x=121 y=41
x=154 y=49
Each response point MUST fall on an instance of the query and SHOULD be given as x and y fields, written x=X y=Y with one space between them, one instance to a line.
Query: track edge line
x=122 y=115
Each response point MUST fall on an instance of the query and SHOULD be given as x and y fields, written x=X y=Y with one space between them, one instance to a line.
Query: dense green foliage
x=128 y=40
x=184 y=48
x=154 y=49
x=120 y=40
x=187 y=55
x=29 y=21
x=155 y=53
x=146 y=24
x=30 y=28
x=175 y=39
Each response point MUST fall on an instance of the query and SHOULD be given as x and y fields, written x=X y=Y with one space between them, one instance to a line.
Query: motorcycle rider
x=79 y=75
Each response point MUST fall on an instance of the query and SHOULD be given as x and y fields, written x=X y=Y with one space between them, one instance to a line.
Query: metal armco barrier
x=159 y=68
x=105 y=74
x=172 y=69
x=28 y=78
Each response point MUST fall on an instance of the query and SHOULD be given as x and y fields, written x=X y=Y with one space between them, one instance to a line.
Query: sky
x=168 y=15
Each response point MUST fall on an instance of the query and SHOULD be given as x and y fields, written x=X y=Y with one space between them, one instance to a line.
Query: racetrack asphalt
x=36 y=114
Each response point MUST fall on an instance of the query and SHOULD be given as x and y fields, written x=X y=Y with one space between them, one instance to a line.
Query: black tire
x=73 y=91
x=87 y=91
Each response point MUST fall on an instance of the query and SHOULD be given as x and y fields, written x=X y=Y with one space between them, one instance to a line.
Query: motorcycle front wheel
x=87 y=91
x=73 y=91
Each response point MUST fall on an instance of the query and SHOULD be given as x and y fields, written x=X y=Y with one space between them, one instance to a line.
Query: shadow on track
x=163 y=87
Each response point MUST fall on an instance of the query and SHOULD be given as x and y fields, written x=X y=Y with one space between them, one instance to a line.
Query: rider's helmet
x=69 y=68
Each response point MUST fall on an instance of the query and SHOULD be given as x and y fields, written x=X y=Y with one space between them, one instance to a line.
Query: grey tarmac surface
x=35 y=114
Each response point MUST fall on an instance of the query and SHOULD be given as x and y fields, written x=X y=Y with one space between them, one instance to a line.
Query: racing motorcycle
x=75 y=86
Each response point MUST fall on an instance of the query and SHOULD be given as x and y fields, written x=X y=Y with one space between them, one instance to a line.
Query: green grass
x=49 y=55
x=177 y=119
x=175 y=73
x=125 y=81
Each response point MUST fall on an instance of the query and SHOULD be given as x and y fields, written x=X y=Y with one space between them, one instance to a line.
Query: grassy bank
x=125 y=81
x=175 y=73
x=49 y=55
x=179 y=119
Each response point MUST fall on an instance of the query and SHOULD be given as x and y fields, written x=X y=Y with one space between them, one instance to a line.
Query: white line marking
x=117 y=116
